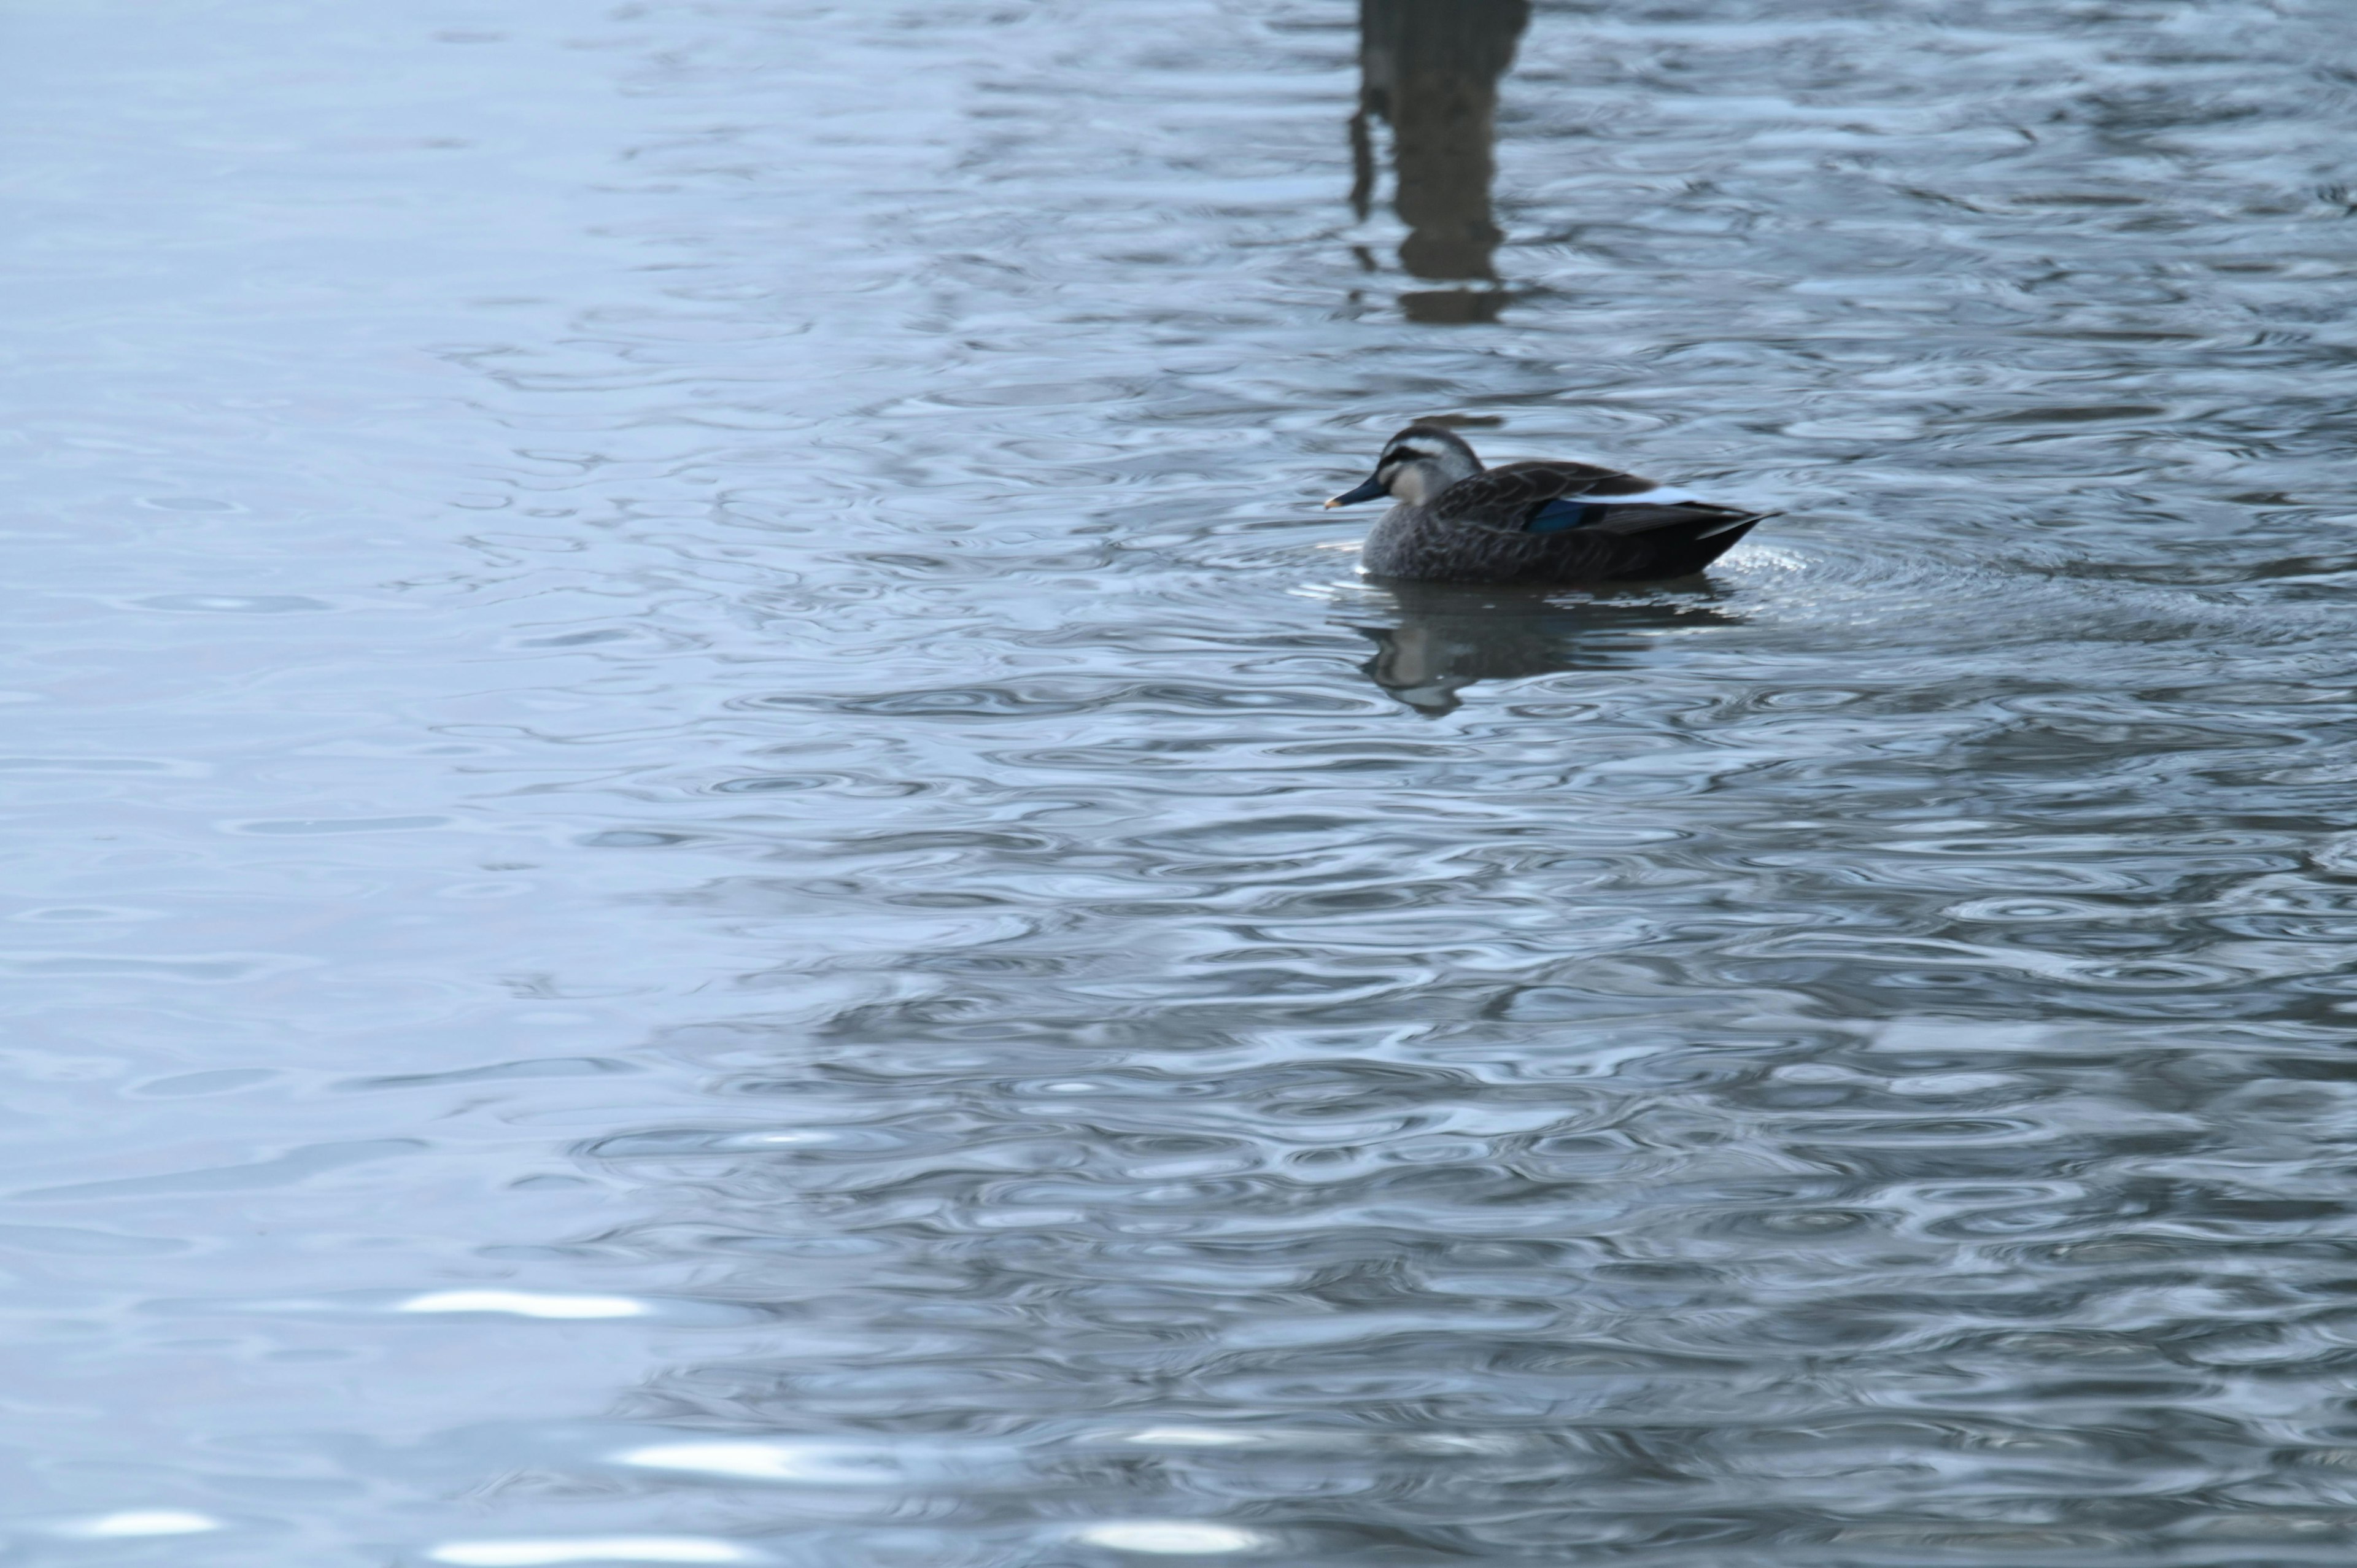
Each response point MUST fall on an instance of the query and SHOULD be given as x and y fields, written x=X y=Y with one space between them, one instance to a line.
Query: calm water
x=711 y=860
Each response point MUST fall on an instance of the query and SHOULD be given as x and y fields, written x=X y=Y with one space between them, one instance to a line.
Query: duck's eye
x=1407 y=455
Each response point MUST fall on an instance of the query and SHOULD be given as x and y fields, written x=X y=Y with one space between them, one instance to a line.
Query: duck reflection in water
x=1445 y=637
x=1429 y=69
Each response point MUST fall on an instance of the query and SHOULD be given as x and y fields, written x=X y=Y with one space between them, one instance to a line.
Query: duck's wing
x=1512 y=494
x=1557 y=498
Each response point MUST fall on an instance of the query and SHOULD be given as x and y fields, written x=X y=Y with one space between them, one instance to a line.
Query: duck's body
x=1456 y=521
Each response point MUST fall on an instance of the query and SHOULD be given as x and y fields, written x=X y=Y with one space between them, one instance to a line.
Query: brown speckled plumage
x=1456 y=521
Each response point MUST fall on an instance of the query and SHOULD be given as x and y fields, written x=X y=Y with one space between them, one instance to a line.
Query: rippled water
x=712 y=862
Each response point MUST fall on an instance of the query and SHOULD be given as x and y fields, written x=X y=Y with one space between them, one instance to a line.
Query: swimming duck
x=1456 y=521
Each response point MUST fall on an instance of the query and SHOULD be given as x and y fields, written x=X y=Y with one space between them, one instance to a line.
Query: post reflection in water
x=1429 y=69
x=1445 y=636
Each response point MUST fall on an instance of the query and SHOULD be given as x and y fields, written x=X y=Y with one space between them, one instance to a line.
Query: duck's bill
x=1365 y=492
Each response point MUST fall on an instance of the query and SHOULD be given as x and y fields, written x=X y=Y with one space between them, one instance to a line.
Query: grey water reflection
x=704 y=868
x=1430 y=69
x=1438 y=638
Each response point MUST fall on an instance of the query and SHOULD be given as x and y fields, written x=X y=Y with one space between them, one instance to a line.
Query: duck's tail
x=1699 y=520
x=1675 y=540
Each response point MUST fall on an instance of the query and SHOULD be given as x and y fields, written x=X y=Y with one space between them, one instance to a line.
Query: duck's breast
x=1390 y=545
x=1410 y=541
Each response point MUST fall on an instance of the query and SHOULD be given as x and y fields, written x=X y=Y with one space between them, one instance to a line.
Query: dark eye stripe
x=1405 y=455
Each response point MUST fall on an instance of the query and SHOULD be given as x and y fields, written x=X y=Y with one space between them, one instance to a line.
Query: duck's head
x=1418 y=464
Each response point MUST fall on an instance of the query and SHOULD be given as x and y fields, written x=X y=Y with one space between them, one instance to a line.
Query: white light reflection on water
x=1171 y=1538
x=525 y=1304
x=131 y=1524
x=606 y=1549
x=807 y=1463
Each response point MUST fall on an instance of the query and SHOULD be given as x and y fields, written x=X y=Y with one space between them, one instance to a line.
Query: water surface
x=713 y=861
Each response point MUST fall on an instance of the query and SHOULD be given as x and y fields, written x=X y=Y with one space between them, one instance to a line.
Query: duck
x=1453 y=521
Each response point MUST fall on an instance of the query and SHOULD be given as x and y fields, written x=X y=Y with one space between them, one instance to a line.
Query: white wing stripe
x=1659 y=495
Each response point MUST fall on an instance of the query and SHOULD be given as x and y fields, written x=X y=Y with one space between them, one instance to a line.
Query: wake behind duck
x=1456 y=521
